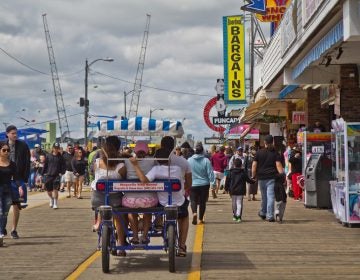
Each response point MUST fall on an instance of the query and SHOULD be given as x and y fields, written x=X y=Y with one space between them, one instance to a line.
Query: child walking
x=235 y=184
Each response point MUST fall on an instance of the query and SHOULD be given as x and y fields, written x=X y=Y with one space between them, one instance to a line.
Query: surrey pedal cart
x=168 y=230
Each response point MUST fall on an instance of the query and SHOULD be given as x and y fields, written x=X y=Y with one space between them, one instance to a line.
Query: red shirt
x=219 y=161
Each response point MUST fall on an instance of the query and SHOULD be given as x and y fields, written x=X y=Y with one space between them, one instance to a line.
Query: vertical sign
x=234 y=60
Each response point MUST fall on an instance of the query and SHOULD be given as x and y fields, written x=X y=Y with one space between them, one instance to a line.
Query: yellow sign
x=275 y=10
x=234 y=60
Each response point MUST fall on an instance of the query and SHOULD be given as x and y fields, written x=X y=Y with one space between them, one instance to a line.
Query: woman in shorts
x=112 y=169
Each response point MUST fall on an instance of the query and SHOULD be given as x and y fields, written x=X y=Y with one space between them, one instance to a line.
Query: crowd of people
x=239 y=173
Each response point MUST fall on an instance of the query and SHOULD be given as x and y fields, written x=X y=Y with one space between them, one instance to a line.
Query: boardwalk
x=310 y=244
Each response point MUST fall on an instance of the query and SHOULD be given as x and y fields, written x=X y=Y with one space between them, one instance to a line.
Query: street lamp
x=152 y=111
x=86 y=101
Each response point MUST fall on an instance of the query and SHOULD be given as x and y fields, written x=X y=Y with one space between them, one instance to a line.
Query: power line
x=23 y=64
x=156 y=88
x=37 y=123
x=34 y=69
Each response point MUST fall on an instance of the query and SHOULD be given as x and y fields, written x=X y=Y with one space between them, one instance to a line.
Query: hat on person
x=56 y=145
x=37 y=146
x=269 y=139
x=240 y=149
x=10 y=127
x=141 y=146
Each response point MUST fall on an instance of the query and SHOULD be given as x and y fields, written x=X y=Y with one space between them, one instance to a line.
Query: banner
x=234 y=60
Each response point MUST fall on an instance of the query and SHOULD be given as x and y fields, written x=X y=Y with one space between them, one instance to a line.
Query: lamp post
x=152 y=111
x=86 y=101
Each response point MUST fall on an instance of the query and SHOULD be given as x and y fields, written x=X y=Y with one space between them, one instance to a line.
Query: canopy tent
x=139 y=126
x=25 y=132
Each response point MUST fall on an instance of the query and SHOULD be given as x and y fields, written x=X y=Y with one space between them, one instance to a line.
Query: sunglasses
x=5 y=150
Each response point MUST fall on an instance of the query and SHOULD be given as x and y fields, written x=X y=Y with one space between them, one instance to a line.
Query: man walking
x=53 y=169
x=20 y=154
x=266 y=166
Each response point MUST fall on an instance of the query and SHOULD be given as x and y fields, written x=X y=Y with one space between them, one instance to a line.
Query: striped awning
x=287 y=90
x=140 y=126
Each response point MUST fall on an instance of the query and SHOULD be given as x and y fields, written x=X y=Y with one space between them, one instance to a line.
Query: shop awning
x=330 y=39
x=257 y=110
x=287 y=90
x=24 y=132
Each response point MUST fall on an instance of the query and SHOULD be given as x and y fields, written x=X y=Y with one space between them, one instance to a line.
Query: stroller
x=280 y=197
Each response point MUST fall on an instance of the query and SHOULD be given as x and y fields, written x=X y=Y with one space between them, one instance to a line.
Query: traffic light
x=82 y=102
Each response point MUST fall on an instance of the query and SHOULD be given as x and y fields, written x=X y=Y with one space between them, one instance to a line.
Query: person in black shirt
x=7 y=172
x=53 y=169
x=266 y=167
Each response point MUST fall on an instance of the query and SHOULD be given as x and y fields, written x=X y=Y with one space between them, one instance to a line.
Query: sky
x=184 y=57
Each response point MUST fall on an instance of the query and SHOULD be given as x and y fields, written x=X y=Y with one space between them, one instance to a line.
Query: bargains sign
x=234 y=60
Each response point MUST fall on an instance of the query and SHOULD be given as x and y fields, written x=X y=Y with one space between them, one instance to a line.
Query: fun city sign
x=218 y=122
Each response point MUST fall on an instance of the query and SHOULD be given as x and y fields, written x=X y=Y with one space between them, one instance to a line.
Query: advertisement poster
x=234 y=60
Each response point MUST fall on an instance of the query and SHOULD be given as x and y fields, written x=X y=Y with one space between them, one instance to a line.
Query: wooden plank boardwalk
x=310 y=244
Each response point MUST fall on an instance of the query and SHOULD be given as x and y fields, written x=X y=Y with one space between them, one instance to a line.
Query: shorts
x=69 y=176
x=218 y=175
x=52 y=183
x=183 y=210
x=98 y=199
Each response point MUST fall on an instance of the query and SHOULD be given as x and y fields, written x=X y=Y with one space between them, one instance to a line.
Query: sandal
x=134 y=241
x=121 y=253
x=145 y=240
x=181 y=252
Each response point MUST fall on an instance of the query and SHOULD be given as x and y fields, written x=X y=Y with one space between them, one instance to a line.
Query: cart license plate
x=139 y=186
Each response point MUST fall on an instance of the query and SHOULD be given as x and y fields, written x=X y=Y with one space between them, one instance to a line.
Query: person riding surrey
x=7 y=173
x=139 y=199
x=165 y=171
x=109 y=169
x=202 y=177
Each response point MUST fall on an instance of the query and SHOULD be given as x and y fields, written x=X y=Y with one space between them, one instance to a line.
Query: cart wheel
x=171 y=247
x=105 y=248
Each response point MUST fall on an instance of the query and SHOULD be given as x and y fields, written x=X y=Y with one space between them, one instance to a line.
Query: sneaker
x=4 y=233
x=55 y=206
x=23 y=205
x=14 y=234
x=261 y=216
x=271 y=220
x=234 y=218
x=51 y=204
x=194 y=220
x=238 y=220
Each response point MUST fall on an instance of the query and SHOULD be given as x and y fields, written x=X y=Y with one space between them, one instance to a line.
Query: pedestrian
x=164 y=171
x=219 y=162
x=38 y=151
x=202 y=177
x=238 y=154
x=69 y=177
x=54 y=168
x=265 y=168
x=20 y=154
x=295 y=170
x=251 y=188
x=79 y=165
x=7 y=173
x=186 y=150
x=235 y=184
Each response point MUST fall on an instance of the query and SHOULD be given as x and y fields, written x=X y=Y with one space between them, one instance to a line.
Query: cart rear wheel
x=171 y=247
x=105 y=248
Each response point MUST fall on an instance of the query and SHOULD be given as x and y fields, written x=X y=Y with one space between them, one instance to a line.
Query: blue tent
x=24 y=133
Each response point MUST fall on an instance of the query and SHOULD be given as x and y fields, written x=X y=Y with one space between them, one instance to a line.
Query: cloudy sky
x=184 y=58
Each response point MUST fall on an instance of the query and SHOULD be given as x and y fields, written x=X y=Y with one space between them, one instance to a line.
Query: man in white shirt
x=164 y=171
